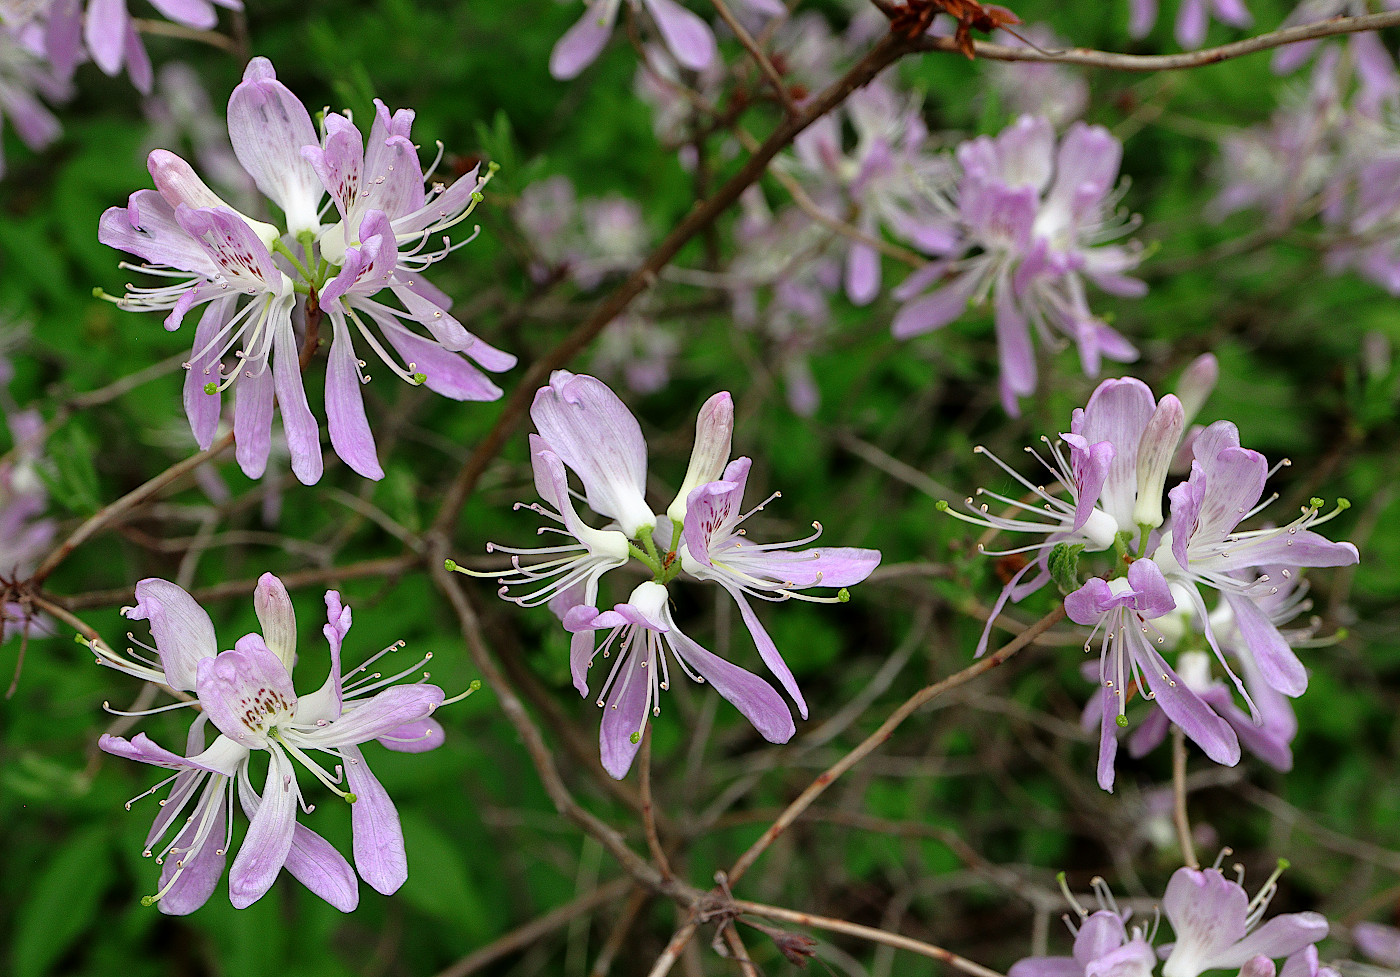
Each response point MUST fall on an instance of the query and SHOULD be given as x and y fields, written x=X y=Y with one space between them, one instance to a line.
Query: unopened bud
x=1196 y=383
x=1155 y=453
x=714 y=434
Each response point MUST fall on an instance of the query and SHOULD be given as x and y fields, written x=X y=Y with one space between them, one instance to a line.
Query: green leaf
x=63 y=903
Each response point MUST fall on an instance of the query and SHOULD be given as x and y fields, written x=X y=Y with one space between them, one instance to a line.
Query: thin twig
x=128 y=501
x=167 y=29
x=673 y=950
x=740 y=952
x=381 y=566
x=523 y=936
x=1170 y=62
x=635 y=903
x=867 y=933
x=877 y=738
x=764 y=64
x=658 y=854
x=1179 y=815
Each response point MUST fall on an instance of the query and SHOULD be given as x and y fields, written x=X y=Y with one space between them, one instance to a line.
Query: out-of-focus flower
x=1373 y=64
x=781 y=280
x=1034 y=221
x=586 y=429
x=1192 y=18
x=585 y=240
x=1379 y=943
x=890 y=180
x=686 y=36
x=26 y=82
x=1055 y=91
x=25 y=531
x=247 y=695
x=389 y=214
x=638 y=351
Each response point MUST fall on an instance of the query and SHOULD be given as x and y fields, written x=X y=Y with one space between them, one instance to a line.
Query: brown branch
x=387 y=566
x=673 y=950
x=523 y=936
x=658 y=853
x=133 y=498
x=1179 y=816
x=867 y=933
x=635 y=904
x=701 y=216
x=1169 y=62
x=824 y=780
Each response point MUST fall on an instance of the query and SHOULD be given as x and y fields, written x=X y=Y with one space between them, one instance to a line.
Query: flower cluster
x=889 y=180
x=1033 y=220
x=1216 y=925
x=248 y=274
x=1332 y=151
x=1114 y=463
x=246 y=695
x=585 y=429
x=66 y=33
x=583 y=240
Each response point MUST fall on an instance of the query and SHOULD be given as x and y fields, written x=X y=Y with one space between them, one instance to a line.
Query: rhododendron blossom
x=248 y=275
x=1033 y=221
x=585 y=429
x=246 y=694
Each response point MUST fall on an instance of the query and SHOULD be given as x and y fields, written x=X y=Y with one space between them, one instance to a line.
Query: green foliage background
x=1005 y=769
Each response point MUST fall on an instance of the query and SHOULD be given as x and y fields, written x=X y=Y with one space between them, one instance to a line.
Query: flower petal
x=183 y=631
x=748 y=693
x=686 y=34
x=277 y=618
x=252 y=420
x=378 y=836
x=345 y=405
x=582 y=43
x=303 y=434
x=268 y=127
x=269 y=837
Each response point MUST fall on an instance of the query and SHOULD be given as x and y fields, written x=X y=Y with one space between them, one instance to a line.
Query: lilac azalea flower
x=584 y=428
x=686 y=36
x=1217 y=925
x=26 y=83
x=1034 y=222
x=715 y=548
x=1122 y=609
x=247 y=695
x=889 y=180
x=1192 y=18
x=1113 y=467
x=247 y=274
x=1203 y=547
x=642 y=631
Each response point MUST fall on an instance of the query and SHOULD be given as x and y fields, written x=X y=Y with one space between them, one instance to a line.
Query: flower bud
x=1155 y=453
x=1196 y=383
x=714 y=432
